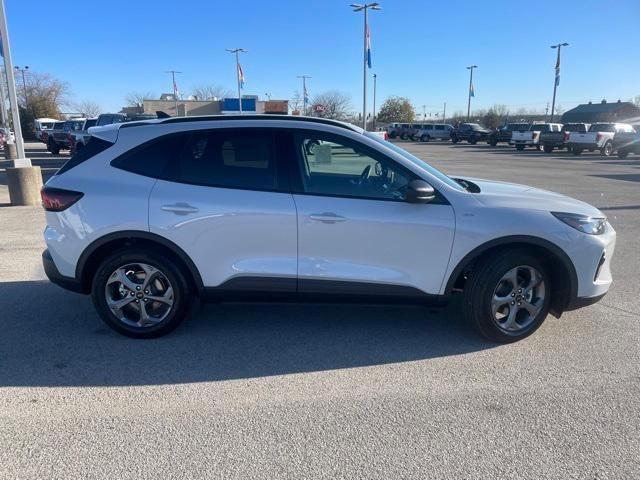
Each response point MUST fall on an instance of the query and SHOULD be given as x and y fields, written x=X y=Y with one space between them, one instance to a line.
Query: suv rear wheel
x=507 y=296
x=53 y=147
x=607 y=150
x=140 y=294
x=424 y=138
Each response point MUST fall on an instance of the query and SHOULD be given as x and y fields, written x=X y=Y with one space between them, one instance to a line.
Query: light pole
x=557 y=79
x=305 y=94
x=240 y=75
x=375 y=81
x=175 y=89
x=444 y=113
x=470 y=68
x=24 y=84
x=268 y=95
x=366 y=53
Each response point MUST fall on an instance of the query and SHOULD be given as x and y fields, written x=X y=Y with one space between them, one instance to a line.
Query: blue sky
x=420 y=48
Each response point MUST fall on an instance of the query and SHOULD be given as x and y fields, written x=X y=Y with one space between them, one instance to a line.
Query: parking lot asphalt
x=326 y=391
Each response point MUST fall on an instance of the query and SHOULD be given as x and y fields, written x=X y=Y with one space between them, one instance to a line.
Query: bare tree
x=210 y=92
x=46 y=94
x=88 y=108
x=335 y=104
x=136 y=99
x=296 y=104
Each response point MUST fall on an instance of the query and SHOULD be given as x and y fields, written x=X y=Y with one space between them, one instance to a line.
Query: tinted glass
x=602 y=127
x=90 y=123
x=227 y=159
x=332 y=166
x=104 y=120
x=151 y=159
x=439 y=127
x=93 y=147
x=58 y=126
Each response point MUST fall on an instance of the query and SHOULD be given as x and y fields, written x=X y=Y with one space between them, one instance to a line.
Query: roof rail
x=206 y=118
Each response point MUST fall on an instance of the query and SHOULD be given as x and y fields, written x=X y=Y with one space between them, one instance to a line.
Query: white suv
x=151 y=214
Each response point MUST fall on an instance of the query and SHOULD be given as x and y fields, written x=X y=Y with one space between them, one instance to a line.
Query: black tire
x=576 y=151
x=393 y=135
x=622 y=153
x=79 y=146
x=569 y=149
x=548 y=149
x=472 y=140
x=481 y=286
x=454 y=139
x=53 y=147
x=182 y=297
x=424 y=138
x=520 y=147
x=492 y=142
x=403 y=136
x=607 y=150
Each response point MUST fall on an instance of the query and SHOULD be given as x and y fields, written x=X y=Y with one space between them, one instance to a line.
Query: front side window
x=337 y=166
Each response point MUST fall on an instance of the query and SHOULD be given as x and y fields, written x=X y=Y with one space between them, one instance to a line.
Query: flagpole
x=375 y=77
x=237 y=52
x=557 y=77
x=356 y=8
x=175 y=89
x=304 y=93
x=470 y=67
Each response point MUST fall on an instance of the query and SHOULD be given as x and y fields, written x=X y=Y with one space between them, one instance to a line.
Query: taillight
x=58 y=199
x=71 y=138
x=566 y=136
x=386 y=136
x=598 y=137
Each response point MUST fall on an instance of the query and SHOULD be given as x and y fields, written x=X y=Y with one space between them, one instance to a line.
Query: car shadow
x=51 y=337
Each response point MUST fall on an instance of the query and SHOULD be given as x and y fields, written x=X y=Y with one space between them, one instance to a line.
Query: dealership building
x=226 y=106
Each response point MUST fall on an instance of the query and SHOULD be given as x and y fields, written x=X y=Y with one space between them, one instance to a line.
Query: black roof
x=207 y=118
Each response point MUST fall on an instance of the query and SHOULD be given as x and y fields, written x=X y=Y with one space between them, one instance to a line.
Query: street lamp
x=557 y=78
x=240 y=75
x=375 y=78
x=470 y=68
x=24 y=84
x=357 y=7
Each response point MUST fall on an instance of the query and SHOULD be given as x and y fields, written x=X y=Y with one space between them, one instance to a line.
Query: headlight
x=583 y=223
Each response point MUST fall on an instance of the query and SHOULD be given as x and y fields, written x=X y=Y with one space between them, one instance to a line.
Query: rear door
x=223 y=199
x=356 y=232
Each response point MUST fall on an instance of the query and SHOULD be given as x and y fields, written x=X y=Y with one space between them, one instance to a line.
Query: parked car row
x=73 y=134
x=607 y=138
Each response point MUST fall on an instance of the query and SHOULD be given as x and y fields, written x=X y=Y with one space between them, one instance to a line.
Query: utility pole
x=175 y=89
x=546 y=112
x=305 y=94
x=424 y=113
x=444 y=113
x=375 y=77
x=239 y=74
x=366 y=57
x=470 y=68
x=24 y=85
x=557 y=77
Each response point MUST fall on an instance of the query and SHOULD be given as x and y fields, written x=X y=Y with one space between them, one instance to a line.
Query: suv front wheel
x=507 y=296
x=140 y=294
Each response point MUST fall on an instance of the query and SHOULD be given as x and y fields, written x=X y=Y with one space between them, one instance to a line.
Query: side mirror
x=419 y=191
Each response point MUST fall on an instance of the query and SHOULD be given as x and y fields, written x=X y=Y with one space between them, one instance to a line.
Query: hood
x=512 y=195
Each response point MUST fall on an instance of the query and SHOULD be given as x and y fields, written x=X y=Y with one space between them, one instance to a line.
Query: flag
x=306 y=95
x=240 y=76
x=368 y=47
x=472 y=91
x=558 y=71
x=175 y=89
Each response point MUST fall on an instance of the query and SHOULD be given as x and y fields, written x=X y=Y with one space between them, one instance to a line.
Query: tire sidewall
x=175 y=276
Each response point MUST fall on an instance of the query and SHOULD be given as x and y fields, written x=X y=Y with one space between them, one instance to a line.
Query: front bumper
x=54 y=276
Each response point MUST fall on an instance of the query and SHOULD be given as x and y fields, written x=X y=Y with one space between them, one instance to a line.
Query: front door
x=355 y=226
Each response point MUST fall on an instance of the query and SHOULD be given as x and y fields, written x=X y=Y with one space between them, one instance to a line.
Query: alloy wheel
x=139 y=295
x=518 y=299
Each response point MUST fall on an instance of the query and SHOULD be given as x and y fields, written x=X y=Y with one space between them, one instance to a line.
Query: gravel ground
x=325 y=391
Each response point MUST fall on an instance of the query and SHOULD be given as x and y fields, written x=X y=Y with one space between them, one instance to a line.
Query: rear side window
x=90 y=123
x=235 y=159
x=93 y=147
x=439 y=127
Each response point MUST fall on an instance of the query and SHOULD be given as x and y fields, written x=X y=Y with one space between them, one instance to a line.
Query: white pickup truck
x=599 y=137
x=531 y=138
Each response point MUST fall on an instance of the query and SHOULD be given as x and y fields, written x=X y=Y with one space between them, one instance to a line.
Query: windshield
x=603 y=127
x=417 y=161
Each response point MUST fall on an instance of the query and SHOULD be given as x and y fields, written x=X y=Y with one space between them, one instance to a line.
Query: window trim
x=297 y=181
x=281 y=168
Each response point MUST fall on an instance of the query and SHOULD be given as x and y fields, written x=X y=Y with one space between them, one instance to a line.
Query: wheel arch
x=98 y=249
x=564 y=281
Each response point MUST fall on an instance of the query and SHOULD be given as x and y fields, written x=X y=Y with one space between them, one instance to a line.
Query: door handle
x=180 y=208
x=326 y=217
